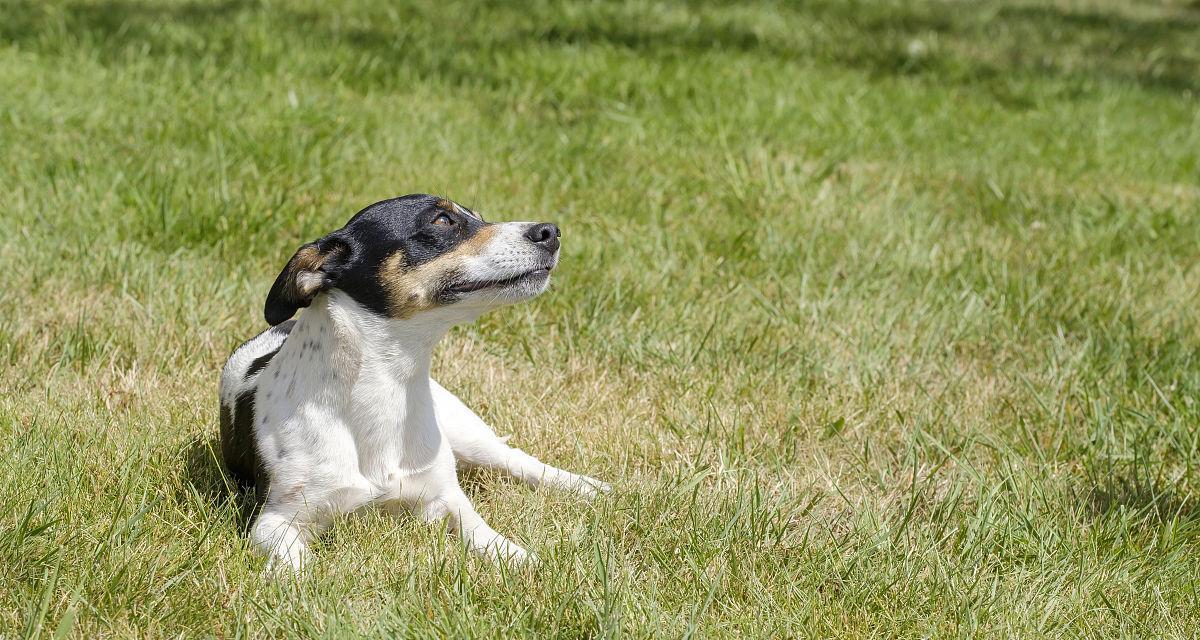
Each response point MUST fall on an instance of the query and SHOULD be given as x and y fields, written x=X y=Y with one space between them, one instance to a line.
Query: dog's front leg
x=435 y=494
x=295 y=513
x=476 y=445
x=310 y=485
x=475 y=532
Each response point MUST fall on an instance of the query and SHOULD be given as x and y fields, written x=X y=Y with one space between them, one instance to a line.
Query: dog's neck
x=399 y=350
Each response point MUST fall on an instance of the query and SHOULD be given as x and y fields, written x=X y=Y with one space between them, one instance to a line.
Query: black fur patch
x=237 y=444
x=238 y=450
x=259 y=364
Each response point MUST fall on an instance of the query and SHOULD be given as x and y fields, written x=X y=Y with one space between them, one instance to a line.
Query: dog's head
x=419 y=252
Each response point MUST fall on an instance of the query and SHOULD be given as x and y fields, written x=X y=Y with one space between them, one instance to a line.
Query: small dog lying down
x=336 y=410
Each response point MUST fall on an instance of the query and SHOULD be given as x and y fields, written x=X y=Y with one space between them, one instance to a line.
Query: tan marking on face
x=414 y=289
x=477 y=243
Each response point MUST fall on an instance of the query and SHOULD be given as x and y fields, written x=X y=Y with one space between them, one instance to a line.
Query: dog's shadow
x=205 y=478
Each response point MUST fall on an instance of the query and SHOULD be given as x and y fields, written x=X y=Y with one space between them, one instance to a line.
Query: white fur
x=347 y=415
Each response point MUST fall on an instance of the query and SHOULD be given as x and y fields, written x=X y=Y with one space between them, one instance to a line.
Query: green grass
x=880 y=316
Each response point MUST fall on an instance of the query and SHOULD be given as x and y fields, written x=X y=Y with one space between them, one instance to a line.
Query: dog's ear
x=315 y=268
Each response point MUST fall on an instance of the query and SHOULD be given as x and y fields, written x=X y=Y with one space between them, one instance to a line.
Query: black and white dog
x=327 y=413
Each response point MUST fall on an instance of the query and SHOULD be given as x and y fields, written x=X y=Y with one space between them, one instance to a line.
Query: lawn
x=879 y=316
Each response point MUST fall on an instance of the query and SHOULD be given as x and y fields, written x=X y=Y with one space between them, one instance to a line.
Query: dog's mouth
x=503 y=283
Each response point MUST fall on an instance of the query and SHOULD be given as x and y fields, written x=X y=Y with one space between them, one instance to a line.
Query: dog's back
x=239 y=382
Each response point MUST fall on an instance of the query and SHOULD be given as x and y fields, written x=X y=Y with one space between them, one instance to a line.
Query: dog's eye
x=444 y=220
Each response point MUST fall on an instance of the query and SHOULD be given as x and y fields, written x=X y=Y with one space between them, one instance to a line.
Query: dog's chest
x=341 y=394
x=393 y=425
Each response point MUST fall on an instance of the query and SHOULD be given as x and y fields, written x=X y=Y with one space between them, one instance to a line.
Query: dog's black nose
x=544 y=235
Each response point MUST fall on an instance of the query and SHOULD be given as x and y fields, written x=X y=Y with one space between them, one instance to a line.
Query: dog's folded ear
x=314 y=268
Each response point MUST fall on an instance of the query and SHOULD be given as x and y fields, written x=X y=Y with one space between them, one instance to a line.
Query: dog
x=335 y=410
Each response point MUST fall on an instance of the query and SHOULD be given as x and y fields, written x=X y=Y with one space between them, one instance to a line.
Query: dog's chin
x=531 y=285
x=506 y=290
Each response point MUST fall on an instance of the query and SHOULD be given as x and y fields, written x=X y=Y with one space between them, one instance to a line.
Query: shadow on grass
x=895 y=40
x=476 y=482
x=203 y=475
x=1116 y=46
x=118 y=24
x=976 y=43
x=1156 y=501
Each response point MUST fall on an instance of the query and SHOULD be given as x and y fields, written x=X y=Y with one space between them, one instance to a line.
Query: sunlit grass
x=880 y=317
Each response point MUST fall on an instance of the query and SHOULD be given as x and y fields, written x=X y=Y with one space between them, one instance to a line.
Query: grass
x=880 y=316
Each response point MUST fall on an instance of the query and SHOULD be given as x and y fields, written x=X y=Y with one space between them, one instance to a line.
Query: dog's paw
x=590 y=487
x=285 y=566
x=583 y=486
x=525 y=559
x=503 y=550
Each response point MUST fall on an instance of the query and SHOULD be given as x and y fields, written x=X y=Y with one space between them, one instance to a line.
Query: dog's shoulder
x=250 y=358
